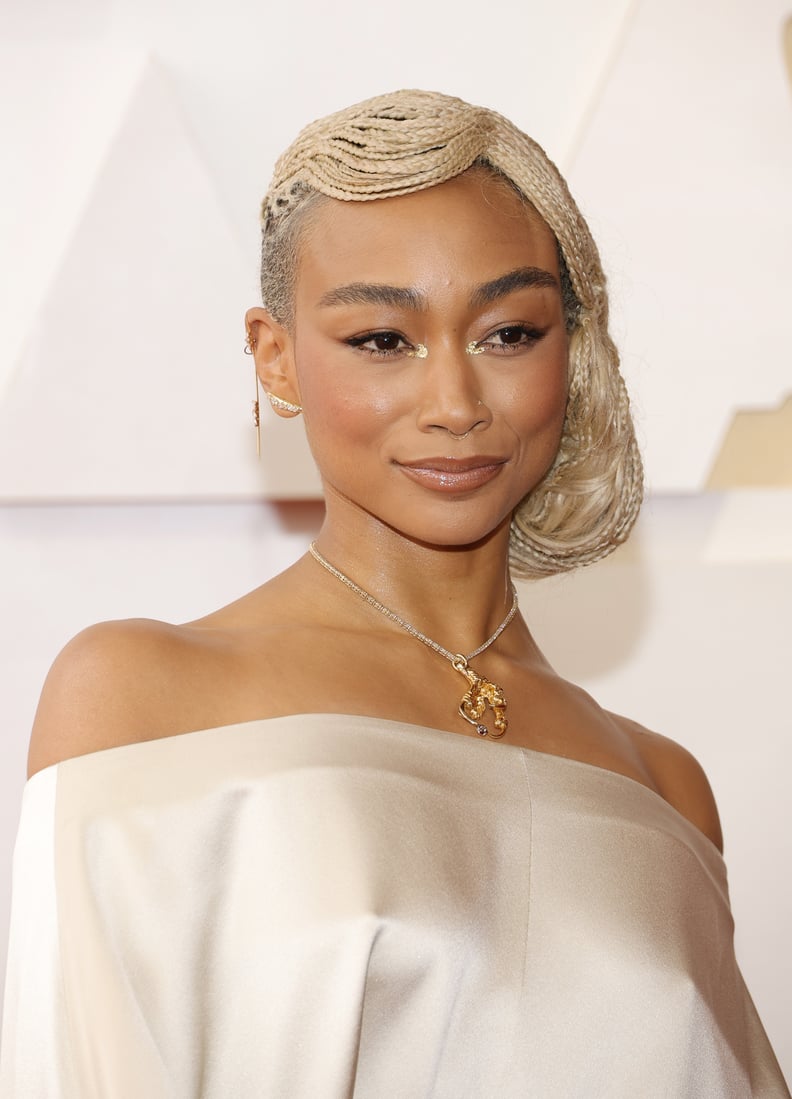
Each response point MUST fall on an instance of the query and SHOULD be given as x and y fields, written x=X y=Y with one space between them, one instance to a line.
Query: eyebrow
x=374 y=293
x=404 y=297
x=518 y=279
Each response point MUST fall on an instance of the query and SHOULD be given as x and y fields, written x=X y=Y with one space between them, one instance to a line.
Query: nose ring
x=464 y=434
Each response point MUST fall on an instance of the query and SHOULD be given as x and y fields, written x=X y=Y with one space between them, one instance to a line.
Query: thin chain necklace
x=481 y=692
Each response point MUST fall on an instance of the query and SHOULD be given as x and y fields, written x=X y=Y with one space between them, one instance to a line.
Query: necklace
x=481 y=692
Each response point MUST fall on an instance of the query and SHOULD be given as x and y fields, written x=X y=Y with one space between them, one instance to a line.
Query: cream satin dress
x=325 y=906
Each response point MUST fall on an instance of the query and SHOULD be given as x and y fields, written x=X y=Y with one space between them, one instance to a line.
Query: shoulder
x=114 y=683
x=140 y=679
x=678 y=777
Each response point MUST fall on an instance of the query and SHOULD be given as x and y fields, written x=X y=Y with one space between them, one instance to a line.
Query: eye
x=382 y=344
x=510 y=339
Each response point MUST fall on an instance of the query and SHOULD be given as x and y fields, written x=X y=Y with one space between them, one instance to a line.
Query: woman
x=352 y=834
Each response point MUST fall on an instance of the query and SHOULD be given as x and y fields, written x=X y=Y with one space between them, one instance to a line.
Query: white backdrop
x=137 y=137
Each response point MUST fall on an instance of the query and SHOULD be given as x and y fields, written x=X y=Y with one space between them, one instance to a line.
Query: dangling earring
x=250 y=345
x=257 y=418
x=283 y=405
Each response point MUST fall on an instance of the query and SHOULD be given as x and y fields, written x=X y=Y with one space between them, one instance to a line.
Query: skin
x=466 y=263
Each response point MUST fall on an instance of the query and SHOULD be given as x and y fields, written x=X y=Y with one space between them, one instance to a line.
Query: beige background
x=137 y=137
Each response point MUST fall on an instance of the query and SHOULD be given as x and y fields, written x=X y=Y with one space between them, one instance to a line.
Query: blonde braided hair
x=586 y=504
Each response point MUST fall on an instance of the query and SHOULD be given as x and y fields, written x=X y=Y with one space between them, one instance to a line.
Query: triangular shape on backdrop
x=55 y=131
x=132 y=383
x=686 y=170
x=756 y=451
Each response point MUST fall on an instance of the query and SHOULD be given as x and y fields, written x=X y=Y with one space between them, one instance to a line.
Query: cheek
x=341 y=410
x=548 y=404
x=539 y=400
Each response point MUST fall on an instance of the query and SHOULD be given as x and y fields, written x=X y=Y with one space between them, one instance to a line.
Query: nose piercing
x=464 y=434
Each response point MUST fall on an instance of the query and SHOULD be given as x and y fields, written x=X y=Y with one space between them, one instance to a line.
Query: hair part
x=587 y=502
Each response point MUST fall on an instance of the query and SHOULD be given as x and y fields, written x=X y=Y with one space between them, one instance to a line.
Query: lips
x=453 y=474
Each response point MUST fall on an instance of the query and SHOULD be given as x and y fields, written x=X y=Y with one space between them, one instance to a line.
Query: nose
x=450 y=394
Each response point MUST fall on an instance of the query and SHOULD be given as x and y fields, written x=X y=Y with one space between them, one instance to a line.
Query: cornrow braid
x=587 y=503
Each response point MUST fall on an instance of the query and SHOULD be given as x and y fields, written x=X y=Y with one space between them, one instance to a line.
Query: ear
x=273 y=353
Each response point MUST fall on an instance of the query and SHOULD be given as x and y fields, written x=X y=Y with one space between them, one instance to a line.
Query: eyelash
x=530 y=336
x=359 y=342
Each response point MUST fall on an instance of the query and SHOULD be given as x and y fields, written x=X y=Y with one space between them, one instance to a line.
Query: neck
x=457 y=596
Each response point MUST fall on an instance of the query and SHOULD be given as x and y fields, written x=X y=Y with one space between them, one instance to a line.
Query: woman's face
x=439 y=445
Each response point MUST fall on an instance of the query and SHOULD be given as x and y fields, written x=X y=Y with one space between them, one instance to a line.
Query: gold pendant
x=481 y=694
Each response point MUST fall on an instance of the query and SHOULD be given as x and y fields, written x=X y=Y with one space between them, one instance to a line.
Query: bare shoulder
x=140 y=679
x=678 y=776
x=114 y=683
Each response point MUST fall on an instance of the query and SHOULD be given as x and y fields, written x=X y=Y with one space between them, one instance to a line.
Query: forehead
x=469 y=230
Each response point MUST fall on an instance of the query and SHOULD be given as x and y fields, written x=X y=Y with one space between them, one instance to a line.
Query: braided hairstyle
x=587 y=502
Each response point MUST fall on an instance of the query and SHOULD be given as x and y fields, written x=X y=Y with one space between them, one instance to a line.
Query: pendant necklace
x=481 y=693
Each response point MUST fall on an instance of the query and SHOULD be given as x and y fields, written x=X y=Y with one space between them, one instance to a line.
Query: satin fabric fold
x=334 y=906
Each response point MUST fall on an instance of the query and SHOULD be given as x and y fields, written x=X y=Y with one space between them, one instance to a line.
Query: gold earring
x=250 y=346
x=284 y=406
x=257 y=416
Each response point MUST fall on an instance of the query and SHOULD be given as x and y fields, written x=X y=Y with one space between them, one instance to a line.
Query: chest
x=400 y=679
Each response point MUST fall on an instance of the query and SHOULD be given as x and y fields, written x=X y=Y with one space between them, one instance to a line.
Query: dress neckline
x=464 y=743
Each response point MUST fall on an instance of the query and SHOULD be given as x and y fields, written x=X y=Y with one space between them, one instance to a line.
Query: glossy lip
x=453 y=474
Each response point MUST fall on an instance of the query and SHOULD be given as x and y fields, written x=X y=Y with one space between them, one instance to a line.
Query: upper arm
x=99 y=691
